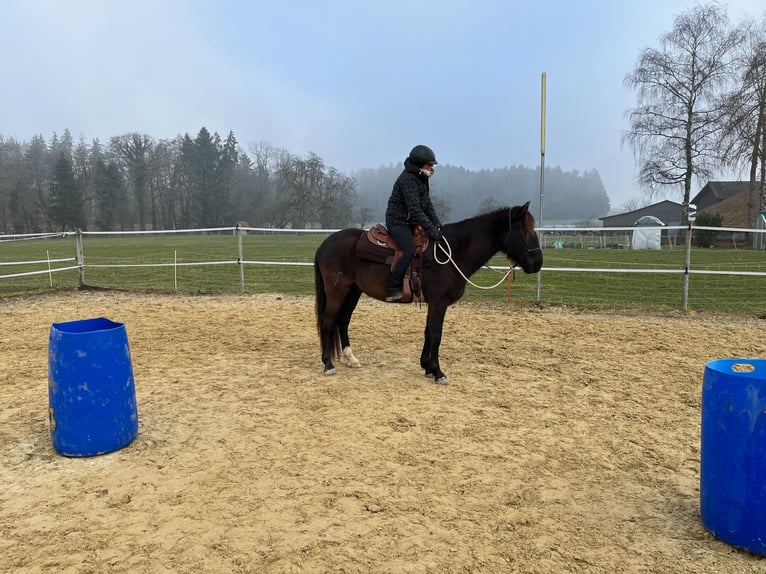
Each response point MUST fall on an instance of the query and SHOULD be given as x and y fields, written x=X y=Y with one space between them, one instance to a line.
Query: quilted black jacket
x=410 y=201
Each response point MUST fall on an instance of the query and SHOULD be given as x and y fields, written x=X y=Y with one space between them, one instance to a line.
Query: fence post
x=687 y=265
x=80 y=257
x=240 y=259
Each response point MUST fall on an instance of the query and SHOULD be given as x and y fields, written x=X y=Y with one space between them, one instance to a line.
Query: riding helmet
x=421 y=155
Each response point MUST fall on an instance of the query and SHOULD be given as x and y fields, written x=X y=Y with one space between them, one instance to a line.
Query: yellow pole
x=542 y=115
x=542 y=170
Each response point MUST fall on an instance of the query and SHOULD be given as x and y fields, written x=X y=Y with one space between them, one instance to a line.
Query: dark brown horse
x=341 y=277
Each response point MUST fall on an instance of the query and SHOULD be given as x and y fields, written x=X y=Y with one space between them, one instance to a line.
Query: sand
x=567 y=441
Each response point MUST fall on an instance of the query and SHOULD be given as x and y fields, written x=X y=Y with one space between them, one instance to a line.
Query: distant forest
x=458 y=193
x=137 y=182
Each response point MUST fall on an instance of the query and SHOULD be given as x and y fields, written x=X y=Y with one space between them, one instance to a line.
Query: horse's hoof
x=441 y=380
x=329 y=372
x=350 y=359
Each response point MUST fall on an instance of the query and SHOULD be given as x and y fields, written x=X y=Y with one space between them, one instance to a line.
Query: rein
x=448 y=253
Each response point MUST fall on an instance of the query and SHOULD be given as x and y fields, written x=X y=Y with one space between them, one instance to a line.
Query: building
x=669 y=212
x=717 y=191
x=727 y=198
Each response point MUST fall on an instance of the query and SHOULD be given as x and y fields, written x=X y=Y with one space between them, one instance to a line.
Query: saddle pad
x=373 y=252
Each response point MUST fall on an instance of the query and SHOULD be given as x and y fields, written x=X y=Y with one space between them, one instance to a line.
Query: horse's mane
x=527 y=221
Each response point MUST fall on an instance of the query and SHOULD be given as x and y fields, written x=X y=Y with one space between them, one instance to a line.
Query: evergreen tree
x=65 y=208
x=133 y=150
x=204 y=172
x=109 y=196
x=35 y=185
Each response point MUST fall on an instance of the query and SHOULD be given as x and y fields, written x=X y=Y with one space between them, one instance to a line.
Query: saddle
x=378 y=246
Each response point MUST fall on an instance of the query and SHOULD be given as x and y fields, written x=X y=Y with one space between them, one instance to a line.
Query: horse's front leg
x=425 y=355
x=429 y=358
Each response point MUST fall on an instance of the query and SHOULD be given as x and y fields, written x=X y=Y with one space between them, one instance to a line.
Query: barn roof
x=720 y=190
x=669 y=212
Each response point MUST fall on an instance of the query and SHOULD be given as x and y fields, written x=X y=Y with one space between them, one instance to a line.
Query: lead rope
x=448 y=253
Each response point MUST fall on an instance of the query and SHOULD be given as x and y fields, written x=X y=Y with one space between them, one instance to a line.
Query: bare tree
x=744 y=132
x=335 y=199
x=674 y=128
x=634 y=203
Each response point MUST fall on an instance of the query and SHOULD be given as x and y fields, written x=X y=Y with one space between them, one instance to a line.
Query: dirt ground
x=566 y=442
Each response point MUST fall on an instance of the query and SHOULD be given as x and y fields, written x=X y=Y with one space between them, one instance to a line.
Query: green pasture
x=208 y=264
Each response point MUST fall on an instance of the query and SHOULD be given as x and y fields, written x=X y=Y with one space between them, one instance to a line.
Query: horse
x=341 y=277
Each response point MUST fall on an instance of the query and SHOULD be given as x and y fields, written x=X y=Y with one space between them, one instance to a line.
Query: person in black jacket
x=410 y=205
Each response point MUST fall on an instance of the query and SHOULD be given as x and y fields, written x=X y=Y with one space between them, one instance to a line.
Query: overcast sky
x=356 y=82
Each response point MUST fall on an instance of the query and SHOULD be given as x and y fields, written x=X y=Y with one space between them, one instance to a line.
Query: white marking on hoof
x=329 y=372
x=350 y=359
x=441 y=381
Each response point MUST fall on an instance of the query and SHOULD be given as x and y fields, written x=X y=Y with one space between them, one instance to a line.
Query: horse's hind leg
x=342 y=321
x=328 y=333
x=429 y=358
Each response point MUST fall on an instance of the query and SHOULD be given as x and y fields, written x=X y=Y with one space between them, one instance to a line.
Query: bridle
x=510 y=231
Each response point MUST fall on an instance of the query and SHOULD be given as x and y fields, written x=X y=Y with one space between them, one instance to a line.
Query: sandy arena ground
x=566 y=442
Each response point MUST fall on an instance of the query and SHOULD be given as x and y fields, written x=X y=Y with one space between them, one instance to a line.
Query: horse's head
x=521 y=244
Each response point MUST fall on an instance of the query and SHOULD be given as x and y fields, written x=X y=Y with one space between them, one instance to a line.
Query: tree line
x=135 y=182
x=458 y=193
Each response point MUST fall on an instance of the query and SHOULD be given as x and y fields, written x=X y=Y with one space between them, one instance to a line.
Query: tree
x=13 y=215
x=674 y=128
x=707 y=237
x=65 y=208
x=744 y=128
x=264 y=197
x=205 y=166
x=109 y=197
x=162 y=193
x=35 y=186
x=335 y=199
x=133 y=150
x=226 y=172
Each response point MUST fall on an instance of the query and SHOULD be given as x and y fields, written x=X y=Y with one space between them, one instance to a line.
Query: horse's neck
x=477 y=249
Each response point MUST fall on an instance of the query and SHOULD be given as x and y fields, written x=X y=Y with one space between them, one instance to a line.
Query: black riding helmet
x=421 y=155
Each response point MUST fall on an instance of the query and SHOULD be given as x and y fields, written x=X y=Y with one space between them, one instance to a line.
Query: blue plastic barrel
x=91 y=392
x=733 y=452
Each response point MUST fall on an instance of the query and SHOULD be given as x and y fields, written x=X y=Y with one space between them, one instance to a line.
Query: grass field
x=208 y=264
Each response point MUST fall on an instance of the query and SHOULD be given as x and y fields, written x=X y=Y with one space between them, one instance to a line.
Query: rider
x=410 y=205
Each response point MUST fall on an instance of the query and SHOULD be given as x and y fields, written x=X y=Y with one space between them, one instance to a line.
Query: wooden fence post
x=80 y=257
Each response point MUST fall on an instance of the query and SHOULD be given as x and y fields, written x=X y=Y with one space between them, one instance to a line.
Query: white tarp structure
x=646 y=234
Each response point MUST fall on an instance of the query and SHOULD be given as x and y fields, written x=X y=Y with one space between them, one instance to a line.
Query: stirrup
x=396 y=295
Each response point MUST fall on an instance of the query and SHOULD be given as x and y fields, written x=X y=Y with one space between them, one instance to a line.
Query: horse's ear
x=525 y=207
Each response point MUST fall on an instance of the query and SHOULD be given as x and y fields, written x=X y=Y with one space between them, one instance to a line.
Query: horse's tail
x=321 y=296
x=321 y=311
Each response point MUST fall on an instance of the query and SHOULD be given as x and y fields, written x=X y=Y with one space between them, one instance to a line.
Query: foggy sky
x=357 y=83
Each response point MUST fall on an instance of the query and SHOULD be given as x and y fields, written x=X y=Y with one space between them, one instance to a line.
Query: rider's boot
x=394 y=287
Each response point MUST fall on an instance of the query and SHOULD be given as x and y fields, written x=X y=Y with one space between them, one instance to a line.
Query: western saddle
x=378 y=246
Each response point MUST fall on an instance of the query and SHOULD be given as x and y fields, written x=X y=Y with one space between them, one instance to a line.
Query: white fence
x=583 y=266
